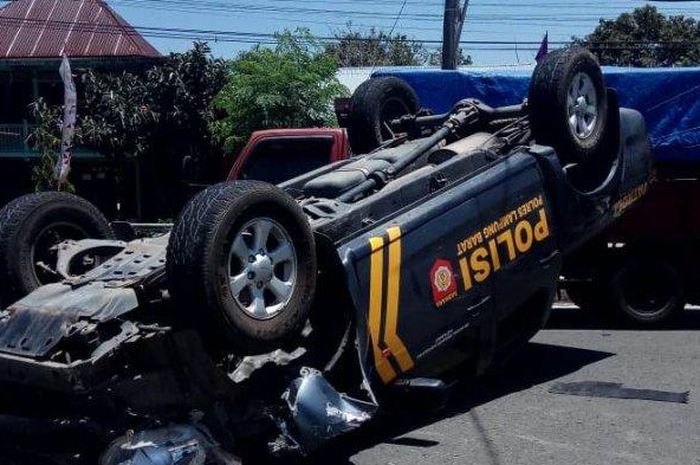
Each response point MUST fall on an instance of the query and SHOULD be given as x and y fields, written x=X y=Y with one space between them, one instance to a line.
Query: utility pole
x=452 y=32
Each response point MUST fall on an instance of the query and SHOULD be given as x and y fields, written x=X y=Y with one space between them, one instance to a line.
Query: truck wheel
x=647 y=293
x=568 y=105
x=30 y=228
x=241 y=266
x=376 y=102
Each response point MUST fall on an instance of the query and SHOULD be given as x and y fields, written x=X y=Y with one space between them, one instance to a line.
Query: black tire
x=30 y=226
x=648 y=292
x=548 y=103
x=199 y=270
x=376 y=101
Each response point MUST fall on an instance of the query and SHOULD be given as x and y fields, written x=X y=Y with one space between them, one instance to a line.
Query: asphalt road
x=510 y=417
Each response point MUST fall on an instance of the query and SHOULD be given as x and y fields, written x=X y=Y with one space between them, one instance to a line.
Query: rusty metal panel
x=86 y=28
x=79 y=42
x=10 y=29
x=57 y=30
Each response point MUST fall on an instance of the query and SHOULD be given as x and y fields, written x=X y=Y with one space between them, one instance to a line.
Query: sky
x=520 y=21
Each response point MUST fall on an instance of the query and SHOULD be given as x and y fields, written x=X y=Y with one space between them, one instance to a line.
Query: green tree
x=159 y=117
x=129 y=115
x=645 y=37
x=170 y=107
x=290 y=85
x=353 y=48
x=116 y=114
x=46 y=139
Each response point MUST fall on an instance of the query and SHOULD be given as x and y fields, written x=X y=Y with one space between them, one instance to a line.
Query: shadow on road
x=569 y=317
x=534 y=364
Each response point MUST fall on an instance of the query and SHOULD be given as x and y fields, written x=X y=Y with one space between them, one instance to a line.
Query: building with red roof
x=34 y=35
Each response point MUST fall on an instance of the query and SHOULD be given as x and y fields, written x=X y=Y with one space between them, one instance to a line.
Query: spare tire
x=568 y=105
x=30 y=228
x=241 y=266
x=376 y=102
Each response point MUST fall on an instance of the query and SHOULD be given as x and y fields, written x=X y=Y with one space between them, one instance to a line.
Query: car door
x=435 y=272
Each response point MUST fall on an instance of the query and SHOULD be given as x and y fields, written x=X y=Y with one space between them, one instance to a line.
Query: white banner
x=70 y=110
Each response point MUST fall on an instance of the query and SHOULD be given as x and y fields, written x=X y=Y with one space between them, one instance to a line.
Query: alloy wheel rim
x=582 y=106
x=262 y=268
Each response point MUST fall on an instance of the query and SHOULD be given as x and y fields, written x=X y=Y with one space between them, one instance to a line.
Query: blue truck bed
x=669 y=98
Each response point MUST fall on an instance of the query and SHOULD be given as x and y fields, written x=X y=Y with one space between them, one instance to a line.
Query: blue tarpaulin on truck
x=669 y=98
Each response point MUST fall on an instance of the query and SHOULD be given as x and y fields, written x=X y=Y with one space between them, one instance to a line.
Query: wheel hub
x=262 y=268
x=582 y=106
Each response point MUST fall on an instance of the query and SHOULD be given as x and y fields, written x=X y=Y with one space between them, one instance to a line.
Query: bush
x=291 y=85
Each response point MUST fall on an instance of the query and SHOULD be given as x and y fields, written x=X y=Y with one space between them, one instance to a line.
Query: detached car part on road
x=277 y=318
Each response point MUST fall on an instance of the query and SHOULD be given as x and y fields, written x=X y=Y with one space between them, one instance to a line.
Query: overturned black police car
x=272 y=319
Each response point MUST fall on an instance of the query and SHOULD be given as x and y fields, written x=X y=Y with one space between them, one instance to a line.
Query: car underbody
x=104 y=342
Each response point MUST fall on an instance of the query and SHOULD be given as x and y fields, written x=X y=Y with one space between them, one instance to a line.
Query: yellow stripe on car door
x=392 y=304
x=381 y=363
x=391 y=339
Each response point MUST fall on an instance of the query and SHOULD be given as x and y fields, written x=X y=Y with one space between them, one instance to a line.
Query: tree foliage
x=168 y=108
x=46 y=138
x=129 y=115
x=116 y=114
x=159 y=117
x=353 y=48
x=645 y=37
x=291 y=85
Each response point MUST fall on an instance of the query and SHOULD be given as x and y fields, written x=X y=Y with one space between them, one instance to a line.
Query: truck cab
x=277 y=155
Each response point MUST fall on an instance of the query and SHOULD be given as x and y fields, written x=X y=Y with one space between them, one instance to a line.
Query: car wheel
x=241 y=266
x=648 y=292
x=568 y=105
x=375 y=103
x=30 y=228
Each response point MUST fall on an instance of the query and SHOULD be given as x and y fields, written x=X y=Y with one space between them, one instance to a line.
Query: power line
x=267 y=38
x=234 y=5
x=217 y=6
x=605 y=5
x=398 y=16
